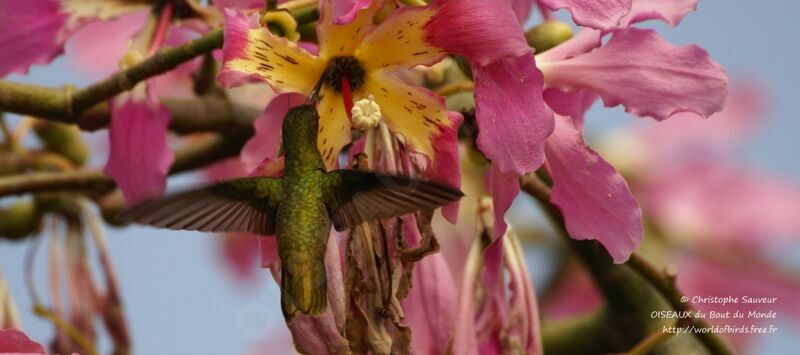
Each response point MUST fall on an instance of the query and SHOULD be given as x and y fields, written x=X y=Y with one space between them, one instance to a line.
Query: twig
x=207 y=151
x=54 y=181
x=651 y=341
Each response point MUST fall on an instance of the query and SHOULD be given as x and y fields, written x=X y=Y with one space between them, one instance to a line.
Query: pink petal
x=571 y=104
x=504 y=188
x=446 y=162
x=241 y=4
x=706 y=203
x=601 y=15
x=31 y=32
x=430 y=306
x=265 y=144
x=671 y=12
x=647 y=75
x=139 y=157
x=269 y=251
x=685 y=137
x=226 y=169
x=513 y=120
x=592 y=196
x=573 y=295
x=523 y=9
x=237 y=27
x=482 y=31
x=698 y=276
x=16 y=341
x=240 y=252
x=583 y=42
x=345 y=11
x=97 y=48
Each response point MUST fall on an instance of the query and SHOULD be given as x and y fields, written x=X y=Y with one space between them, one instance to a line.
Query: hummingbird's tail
x=303 y=285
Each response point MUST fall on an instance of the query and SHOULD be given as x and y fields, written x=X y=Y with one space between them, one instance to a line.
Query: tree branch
x=67 y=104
x=618 y=281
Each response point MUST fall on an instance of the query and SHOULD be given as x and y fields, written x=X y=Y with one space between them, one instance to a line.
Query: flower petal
x=334 y=127
x=139 y=157
x=513 y=119
x=97 y=48
x=399 y=41
x=483 y=31
x=16 y=341
x=523 y=9
x=240 y=253
x=583 y=42
x=647 y=75
x=265 y=145
x=671 y=12
x=240 y=4
x=269 y=251
x=601 y=15
x=571 y=104
x=504 y=187
x=446 y=167
x=31 y=32
x=346 y=11
x=430 y=306
x=340 y=33
x=592 y=196
x=416 y=113
x=703 y=200
x=252 y=53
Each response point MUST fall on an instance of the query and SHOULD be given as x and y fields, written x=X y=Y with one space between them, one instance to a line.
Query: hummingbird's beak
x=313 y=97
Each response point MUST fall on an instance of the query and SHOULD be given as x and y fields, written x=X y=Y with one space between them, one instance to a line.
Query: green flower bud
x=464 y=66
x=461 y=101
x=548 y=34
x=19 y=220
x=281 y=23
x=63 y=139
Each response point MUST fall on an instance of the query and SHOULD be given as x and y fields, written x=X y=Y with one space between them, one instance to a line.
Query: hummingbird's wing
x=240 y=205
x=356 y=196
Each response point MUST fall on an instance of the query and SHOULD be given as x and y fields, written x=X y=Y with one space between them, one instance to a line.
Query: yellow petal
x=334 y=127
x=342 y=40
x=416 y=113
x=282 y=64
x=399 y=41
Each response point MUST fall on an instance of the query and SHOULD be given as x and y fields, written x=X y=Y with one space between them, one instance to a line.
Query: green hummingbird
x=297 y=208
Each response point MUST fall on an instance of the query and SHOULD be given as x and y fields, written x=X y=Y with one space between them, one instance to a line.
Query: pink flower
x=13 y=341
x=34 y=32
x=139 y=157
x=649 y=77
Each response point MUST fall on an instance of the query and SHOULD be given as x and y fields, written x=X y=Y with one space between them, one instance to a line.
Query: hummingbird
x=298 y=208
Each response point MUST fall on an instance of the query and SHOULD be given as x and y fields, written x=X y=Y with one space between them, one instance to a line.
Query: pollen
x=366 y=114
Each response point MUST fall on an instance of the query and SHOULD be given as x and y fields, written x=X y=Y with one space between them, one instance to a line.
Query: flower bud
x=460 y=101
x=19 y=220
x=281 y=23
x=63 y=139
x=366 y=114
x=548 y=34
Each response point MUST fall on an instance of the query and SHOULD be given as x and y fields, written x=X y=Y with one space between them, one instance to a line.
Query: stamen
x=347 y=95
x=366 y=114
x=161 y=29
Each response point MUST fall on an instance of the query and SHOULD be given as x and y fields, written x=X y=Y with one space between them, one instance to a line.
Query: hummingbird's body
x=297 y=208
